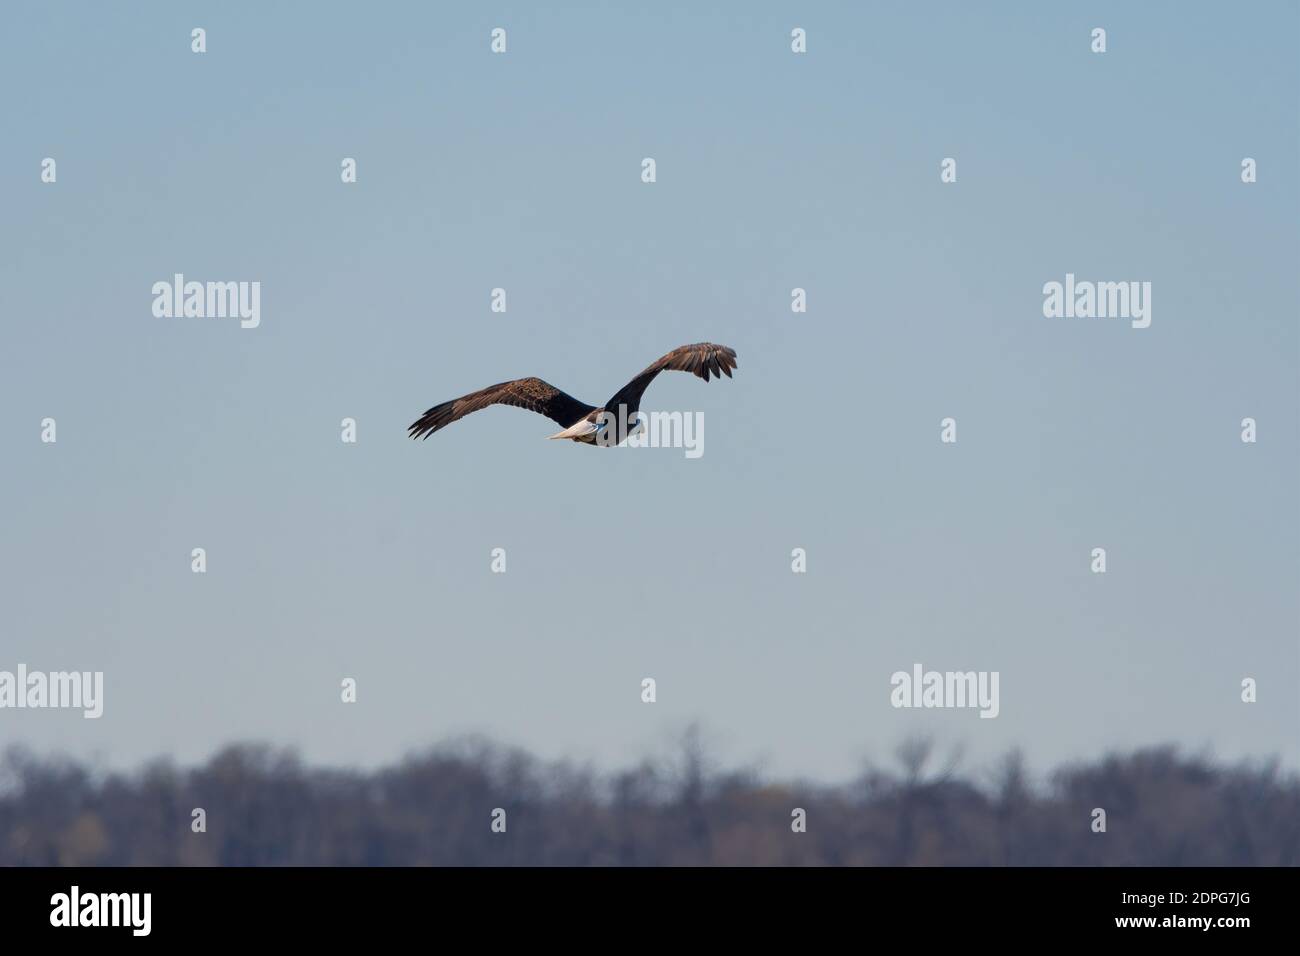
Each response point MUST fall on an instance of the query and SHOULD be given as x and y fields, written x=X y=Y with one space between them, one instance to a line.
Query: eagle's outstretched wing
x=530 y=393
x=700 y=359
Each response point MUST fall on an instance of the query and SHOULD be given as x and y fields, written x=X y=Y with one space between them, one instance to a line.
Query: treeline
x=263 y=807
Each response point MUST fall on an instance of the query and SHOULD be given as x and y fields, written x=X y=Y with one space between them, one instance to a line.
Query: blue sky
x=775 y=171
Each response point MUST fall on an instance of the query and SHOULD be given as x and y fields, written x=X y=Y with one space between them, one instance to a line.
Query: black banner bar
x=329 y=905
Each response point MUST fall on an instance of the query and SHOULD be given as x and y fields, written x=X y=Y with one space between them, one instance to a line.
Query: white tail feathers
x=583 y=427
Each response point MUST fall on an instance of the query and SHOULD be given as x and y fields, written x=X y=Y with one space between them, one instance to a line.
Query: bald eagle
x=583 y=423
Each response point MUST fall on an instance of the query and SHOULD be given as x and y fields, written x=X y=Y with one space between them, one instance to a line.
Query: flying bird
x=583 y=423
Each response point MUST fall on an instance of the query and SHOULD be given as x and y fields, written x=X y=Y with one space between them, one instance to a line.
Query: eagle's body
x=587 y=424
